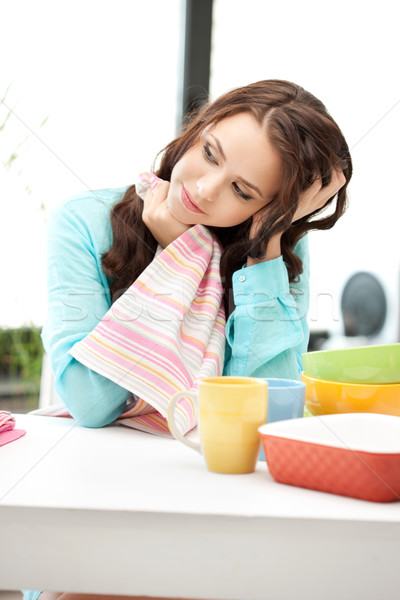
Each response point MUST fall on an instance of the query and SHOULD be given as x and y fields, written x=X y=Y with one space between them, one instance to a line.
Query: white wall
x=347 y=53
x=106 y=74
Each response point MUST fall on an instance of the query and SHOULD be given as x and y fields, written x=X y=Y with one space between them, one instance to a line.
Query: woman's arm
x=78 y=297
x=267 y=332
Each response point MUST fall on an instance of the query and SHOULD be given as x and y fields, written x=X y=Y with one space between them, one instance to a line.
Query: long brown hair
x=309 y=143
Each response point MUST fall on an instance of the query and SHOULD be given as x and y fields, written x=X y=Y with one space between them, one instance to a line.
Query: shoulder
x=301 y=249
x=301 y=286
x=90 y=205
x=86 y=214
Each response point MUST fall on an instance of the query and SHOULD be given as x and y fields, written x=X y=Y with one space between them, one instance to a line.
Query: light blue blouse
x=31 y=594
x=265 y=334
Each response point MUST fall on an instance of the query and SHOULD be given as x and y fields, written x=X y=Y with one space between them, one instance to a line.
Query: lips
x=188 y=202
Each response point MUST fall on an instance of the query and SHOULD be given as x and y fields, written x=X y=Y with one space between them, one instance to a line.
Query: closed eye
x=240 y=192
x=208 y=154
x=211 y=158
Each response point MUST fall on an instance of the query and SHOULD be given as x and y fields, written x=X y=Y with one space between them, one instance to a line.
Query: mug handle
x=171 y=420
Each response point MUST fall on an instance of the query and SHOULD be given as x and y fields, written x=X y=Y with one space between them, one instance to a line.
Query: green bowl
x=368 y=364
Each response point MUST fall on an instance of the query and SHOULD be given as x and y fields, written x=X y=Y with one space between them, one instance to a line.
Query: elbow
x=93 y=401
x=90 y=418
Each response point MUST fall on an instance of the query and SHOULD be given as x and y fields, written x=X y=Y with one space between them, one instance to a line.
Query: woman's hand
x=316 y=196
x=274 y=245
x=313 y=198
x=157 y=217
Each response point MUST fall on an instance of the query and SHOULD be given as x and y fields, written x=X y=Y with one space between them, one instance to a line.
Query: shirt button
x=242 y=278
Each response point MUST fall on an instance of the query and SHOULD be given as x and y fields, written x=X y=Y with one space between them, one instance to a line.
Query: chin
x=180 y=216
x=187 y=221
x=179 y=213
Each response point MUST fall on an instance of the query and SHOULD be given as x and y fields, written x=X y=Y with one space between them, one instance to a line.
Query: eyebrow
x=222 y=153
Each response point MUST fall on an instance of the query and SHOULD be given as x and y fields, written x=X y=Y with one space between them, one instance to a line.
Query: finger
x=318 y=196
x=154 y=181
x=341 y=177
x=160 y=193
x=316 y=186
x=311 y=191
x=146 y=179
x=256 y=223
x=337 y=181
x=156 y=193
x=148 y=197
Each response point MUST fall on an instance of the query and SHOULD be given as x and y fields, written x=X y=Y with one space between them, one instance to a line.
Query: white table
x=118 y=511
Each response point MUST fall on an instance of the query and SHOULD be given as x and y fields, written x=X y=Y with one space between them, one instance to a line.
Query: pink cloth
x=163 y=335
x=8 y=433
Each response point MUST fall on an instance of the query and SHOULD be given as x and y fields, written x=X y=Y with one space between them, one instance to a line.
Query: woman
x=274 y=136
x=256 y=167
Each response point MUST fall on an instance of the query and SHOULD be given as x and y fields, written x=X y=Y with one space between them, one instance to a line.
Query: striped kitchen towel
x=164 y=333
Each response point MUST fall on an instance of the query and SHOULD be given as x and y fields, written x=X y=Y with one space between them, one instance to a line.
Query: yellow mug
x=230 y=411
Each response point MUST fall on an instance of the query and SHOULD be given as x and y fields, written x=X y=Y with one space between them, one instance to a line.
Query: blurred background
x=92 y=90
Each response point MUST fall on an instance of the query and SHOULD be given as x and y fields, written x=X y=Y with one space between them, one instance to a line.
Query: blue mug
x=285 y=401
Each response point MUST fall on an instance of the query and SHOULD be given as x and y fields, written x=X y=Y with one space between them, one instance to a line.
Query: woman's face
x=227 y=176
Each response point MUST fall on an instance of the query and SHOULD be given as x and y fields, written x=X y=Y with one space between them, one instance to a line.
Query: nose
x=209 y=186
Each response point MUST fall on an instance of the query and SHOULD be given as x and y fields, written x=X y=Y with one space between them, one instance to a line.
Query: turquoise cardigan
x=265 y=334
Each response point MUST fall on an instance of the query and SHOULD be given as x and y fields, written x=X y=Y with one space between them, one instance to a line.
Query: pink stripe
x=188 y=272
x=130 y=336
x=176 y=371
x=194 y=255
x=151 y=424
x=132 y=339
x=187 y=405
x=127 y=365
x=206 y=241
x=156 y=297
x=127 y=331
x=128 y=318
x=174 y=367
x=129 y=340
x=194 y=240
x=164 y=388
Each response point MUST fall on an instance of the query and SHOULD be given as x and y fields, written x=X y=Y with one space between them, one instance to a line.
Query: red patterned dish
x=353 y=454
